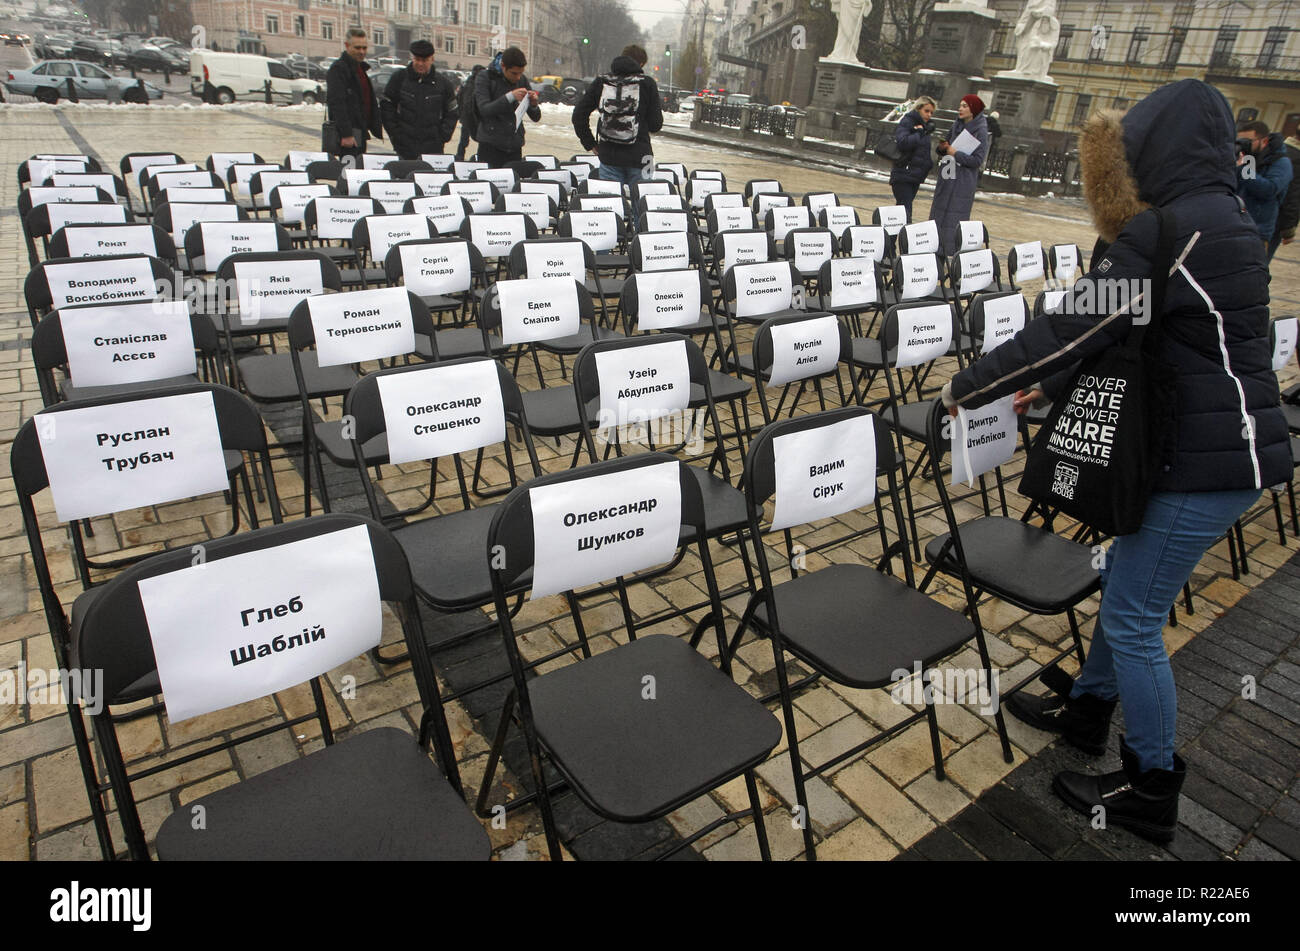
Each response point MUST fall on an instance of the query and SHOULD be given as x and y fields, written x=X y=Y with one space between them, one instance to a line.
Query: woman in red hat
x=960 y=156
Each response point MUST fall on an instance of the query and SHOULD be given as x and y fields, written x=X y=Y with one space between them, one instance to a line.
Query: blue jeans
x=1141 y=576
x=627 y=174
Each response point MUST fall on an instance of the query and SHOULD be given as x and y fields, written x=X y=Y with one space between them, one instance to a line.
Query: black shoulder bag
x=1098 y=454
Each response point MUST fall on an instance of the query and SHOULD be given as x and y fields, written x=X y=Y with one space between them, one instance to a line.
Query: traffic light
x=586 y=41
x=668 y=51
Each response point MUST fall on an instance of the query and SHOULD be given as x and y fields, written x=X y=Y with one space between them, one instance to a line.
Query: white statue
x=850 y=17
x=1037 y=31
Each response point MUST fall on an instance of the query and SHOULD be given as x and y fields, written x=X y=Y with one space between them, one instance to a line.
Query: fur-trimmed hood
x=1176 y=141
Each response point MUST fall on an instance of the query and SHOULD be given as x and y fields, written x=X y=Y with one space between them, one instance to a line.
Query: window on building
x=426 y=8
x=299 y=26
x=1271 y=51
x=449 y=44
x=377 y=4
x=378 y=35
x=1137 y=44
x=471 y=11
x=471 y=46
x=272 y=23
x=1063 y=42
x=1051 y=104
x=1081 y=109
x=1098 y=39
x=1224 y=42
x=403 y=6
x=1174 y=51
x=327 y=29
x=998 y=44
x=494 y=14
x=516 y=18
x=1120 y=103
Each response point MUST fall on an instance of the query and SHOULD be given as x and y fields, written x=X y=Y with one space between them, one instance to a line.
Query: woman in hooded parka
x=954 y=189
x=1173 y=150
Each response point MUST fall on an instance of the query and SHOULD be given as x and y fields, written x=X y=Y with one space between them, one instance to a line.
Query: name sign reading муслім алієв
x=362 y=325
x=122 y=456
x=597 y=528
x=804 y=348
x=440 y=410
x=823 y=472
x=128 y=343
x=234 y=629
x=982 y=439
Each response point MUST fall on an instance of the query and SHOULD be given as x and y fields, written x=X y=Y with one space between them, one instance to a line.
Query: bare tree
x=607 y=27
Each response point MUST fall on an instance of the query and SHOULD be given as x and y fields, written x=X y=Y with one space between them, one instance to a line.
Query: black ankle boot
x=1146 y=802
x=1082 y=721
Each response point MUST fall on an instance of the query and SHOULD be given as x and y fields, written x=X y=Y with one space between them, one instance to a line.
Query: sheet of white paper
x=445 y=212
x=521 y=110
x=972 y=235
x=976 y=271
x=387 y=230
x=1029 y=261
x=61 y=214
x=432 y=269
x=804 y=348
x=966 y=143
x=128 y=343
x=763 y=288
x=610 y=540
x=166 y=449
x=86 y=241
x=638 y=384
x=221 y=239
x=853 y=282
x=100 y=282
x=556 y=259
x=362 y=325
x=336 y=215
x=441 y=410
x=920 y=275
x=270 y=290
x=185 y=216
x=537 y=309
x=924 y=334
x=1004 y=317
x=229 y=631
x=982 y=439
x=824 y=472
x=1284 y=341
x=667 y=299
x=664 y=251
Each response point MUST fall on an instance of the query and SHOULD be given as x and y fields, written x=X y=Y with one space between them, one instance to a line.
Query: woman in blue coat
x=913 y=139
x=954 y=192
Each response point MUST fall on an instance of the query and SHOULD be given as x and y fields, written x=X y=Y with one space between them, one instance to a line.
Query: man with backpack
x=630 y=109
x=468 y=112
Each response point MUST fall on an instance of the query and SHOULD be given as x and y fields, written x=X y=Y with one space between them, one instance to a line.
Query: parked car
x=102 y=52
x=306 y=69
x=15 y=39
x=571 y=89
x=244 y=76
x=154 y=60
x=48 y=82
x=379 y=77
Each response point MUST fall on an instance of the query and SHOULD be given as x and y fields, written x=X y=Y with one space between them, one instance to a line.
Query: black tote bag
x=1098 y=454
x=887 y=146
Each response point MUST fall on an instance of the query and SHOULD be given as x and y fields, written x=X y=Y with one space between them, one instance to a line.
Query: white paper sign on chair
x=811 y=250
x=535 y=206
x=336 y=215
x=1004 y=317
x=638 y=384
x=819 y=201
x=356 y=177
x=919 y=275
x=922 y=236
x=733 y=219
x=1067 y=262
x=496 y=235
x=785 y=220
x=392 y=195
x=430 y=183
x=185 y=216
x=91 y=242
x=387 y=230
x=122 y=456
x=892 y=218
x=665 y=251
x=762 y=288
x=853 y=282
x=976 y=271
x=100 y=282
x=438 y=162
x=128 y=343
x=867 y=241
x=430 y=270
x=78 y=213
x=839 y=217
x=295 y=198
x=270 y=290
x=600 y=527
x=702 y=188
x=804 y=348
x=924 y=334
x=599 y=229
x=244 y=627
x=478 y=194
x=970 y=235
x=824 y=472
x=1029 y=261
x=1284 y=341
x=440 y=410
x=299 y=159
x=361 y=325
x=743 y=249
x=537 y=309
x=221 y=239
x=445 y=212
x=556 y=259
x=982 y=439
x=667 y=299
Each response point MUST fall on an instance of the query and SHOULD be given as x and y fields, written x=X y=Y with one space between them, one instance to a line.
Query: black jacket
x=496 y=112
x=1289 y=215
x=343 y=100
x=420 y=112
x=915 y=145
x=1230 y=432
x=649 y=117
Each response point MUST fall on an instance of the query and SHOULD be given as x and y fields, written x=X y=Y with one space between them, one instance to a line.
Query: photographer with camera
x=1263 y=175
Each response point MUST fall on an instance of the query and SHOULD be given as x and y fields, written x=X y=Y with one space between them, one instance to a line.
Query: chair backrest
x=601 y=230
x=403 y=168
x=464 y=171
x=659 y=202
x=208 y=243
x=838 y=219
x=378 y=160
x=177 y=218
x=497 y=232
x=890 y=217
x=93 y=240
x=105 y=180
x=802 y=347
x=195 y=179
x=107 y=279
x=698 y=189
x=38 y=170
x=445 y=212
x=351 y=179
x=552 y=256
x=438 y=161
x=1064 y=262
x=920 y=237
x=723 y=200
x=663 y=250
x=612 y=203
x=665 y=299
x=765 y=201
x=258 y=286
x=147 y=172
x=44 y=220
x=545 y=161
x=356 y=327
x=817 y=202
x=676 y=169
x=918 y=275
x=525 y=310
x=972 y=235
x=332 y=218
x=393 y=195
x=600 y=186
x=375 y=234
x=121 y=344
x=917 y=333
x=1025 y=262
x=41 y=194
x=482 y=196
x=240 y=175
x=557 y=192
x=731 y=248
x=434 y=266
x=665 y=221
x=808 y=248
x=865 y=241
x=262 y=184
x=657 y=189
x=1048 y=301
x=579 y=171
x=209 y=194
x=219 y=162
x=300 y=160
x=994 y=318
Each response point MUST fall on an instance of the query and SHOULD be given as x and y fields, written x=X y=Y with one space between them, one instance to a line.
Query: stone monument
x=957 y=39
x=1021 y=95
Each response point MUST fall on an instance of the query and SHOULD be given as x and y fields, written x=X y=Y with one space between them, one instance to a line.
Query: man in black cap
x=419 y=106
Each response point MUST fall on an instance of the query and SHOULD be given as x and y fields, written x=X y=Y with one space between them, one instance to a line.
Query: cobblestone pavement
x=876 y=806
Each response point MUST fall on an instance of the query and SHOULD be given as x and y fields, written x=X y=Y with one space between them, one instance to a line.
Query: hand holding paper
x=965 y=143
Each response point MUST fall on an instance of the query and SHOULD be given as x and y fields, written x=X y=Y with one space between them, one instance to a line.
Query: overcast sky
x=648 y=12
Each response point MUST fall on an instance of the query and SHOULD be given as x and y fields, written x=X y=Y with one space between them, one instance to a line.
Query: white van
x=243 y=76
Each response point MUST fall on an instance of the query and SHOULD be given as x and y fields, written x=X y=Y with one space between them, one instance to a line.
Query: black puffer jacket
x=1173 y=149
x=496 y=109
x=419 y=111
x=344 y=102
x=916 y=147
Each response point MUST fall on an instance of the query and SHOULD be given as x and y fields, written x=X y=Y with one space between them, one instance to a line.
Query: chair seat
x=575 y=342
x=370 y=276
x=268 y=377
x=724 y=504
x=912 y=419
x=1022 y=563
x=71 y=392
x=726 y=388
x=239 y=327
x=448 y=556
x=330 y=440
x=436 y=302
x=612 y=262
x=552 y=411
x=867 y=352
x=374 y=796
x=456 y=342
x=1291 y=413
x=759 y=319
x=699 y=732
x=608 y=289
x=858 y=626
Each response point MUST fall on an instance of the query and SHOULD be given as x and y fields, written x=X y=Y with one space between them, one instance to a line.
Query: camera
x=1243 y=146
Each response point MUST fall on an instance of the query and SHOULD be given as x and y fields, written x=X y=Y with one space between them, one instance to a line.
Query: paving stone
x=941 y=799
x=1257 y=851
x=1028 y=820
x=1220 y=801
x=857 y=842
x=900 y=818
x=942 y=845
x=990 y=837
x=827 y=810
x=979 y=765
x=1190 y=847
x=1281 y=836
x=1211 y=827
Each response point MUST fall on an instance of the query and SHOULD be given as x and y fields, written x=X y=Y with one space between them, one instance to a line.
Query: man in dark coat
x=349 y=99
x=497 y=93
x=959 y=172
x=1228 y=439
x=419 y=106
x=630 y=109
x=913 y=139
x=1263 y=183
x=1289 y=215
